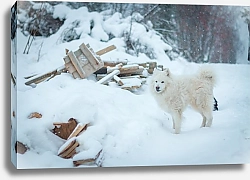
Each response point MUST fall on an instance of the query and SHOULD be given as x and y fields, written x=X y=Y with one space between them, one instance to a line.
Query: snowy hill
x=129 y=127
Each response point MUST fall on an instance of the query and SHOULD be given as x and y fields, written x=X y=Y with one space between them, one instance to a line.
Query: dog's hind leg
x=203 y=124
x=207 y=119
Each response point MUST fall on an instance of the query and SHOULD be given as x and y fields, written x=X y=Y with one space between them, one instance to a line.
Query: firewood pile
x=68 y=132
x=84 y=62
x=125 y=76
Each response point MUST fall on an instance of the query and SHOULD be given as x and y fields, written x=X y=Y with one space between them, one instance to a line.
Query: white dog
x=174 y=93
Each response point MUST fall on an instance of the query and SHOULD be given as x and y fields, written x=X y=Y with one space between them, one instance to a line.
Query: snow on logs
x=69 y=132
x=125 y=76
x=84 y=62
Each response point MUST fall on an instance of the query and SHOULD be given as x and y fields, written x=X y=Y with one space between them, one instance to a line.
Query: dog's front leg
x=177 y=116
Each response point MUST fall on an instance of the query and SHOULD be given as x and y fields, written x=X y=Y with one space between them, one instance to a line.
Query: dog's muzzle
x=157 y=89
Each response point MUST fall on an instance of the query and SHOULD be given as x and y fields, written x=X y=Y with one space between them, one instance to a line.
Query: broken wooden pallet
x=80 y=64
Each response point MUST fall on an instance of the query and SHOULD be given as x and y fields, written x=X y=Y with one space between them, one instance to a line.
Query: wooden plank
x=108 y=77
x=129 y=67
x=118 y=80
x=78 y=129
x=76 y=64
x=76 y=75
x=66 y=59
x=71 y=154
x=105 y=50
x=39 y=78
x=71 y=151
x=91 y=58
x=88 y=161
x=69 y=66
x=132 y=71
x=111 y=69
x=68 y=150
x=114 y=63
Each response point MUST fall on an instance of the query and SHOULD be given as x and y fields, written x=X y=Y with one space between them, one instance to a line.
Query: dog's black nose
x=157 y=88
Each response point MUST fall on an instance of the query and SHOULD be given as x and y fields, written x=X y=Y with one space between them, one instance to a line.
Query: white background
x=179 y=172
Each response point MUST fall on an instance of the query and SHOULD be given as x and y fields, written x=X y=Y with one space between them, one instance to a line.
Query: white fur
x=174 y=93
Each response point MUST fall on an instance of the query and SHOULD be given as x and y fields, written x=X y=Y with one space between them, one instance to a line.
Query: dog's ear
x=156 y=71
x=166 y=70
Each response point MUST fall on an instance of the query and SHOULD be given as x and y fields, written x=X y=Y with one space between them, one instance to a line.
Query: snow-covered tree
x=246 y=16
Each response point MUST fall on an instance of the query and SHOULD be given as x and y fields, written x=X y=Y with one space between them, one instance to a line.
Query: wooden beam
x=76 y=64
x=108 y=77
x=105 y=50
x=90 y=56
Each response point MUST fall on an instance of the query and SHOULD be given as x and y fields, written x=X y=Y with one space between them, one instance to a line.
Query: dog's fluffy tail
x=207 y=73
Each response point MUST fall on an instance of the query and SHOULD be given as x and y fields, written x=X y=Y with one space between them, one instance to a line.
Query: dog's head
x=160 y=79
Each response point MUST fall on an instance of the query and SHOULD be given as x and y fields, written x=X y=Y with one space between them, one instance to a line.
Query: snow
x=129 y=127
x=61 y=11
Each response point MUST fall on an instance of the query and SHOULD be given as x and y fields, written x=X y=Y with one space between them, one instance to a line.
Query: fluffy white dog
x=174 y=93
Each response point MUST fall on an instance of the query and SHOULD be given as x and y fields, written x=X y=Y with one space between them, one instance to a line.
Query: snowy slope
x=130 y=128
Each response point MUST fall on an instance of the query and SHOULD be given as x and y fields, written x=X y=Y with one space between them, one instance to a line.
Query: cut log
x=118 y=80
x=78 y=129
x=35 y=115
x=114 y=63
x=89 y=161
x=108 y=77
x=132 y=71
x=68 y=149
x=20 y=148
x=64 y=130
x=117 y=67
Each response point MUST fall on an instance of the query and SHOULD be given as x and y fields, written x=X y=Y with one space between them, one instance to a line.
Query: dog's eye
x=162 y=82
x=156 y=81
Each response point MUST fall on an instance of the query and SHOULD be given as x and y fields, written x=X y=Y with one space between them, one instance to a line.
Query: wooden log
x=20 y=148
x=35 y=115
x=64 y=130
x=118 y=80
x=131 y=88
x=78 y=129
x=69 y=150
x=132 y=71
x=114 y=63
x=117 y=67
x=108 y=77
x=89 y=161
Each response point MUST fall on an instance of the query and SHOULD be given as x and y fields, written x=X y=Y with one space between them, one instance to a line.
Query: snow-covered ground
x=129 y=127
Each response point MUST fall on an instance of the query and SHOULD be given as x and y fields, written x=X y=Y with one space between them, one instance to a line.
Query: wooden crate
x=83 y=62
